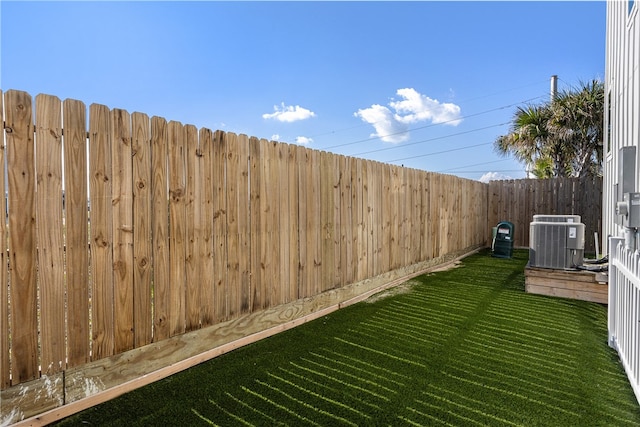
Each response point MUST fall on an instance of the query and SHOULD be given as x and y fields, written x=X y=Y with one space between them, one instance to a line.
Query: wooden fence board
x=346 y=215
x=77 y=232
x=50 y=233
x=122 y=219
x=272 y=224
x=206 y=243
x=243 y=225
x=233 y=230
x=256 y=233
x=282 y=177
x=19 y=132
x=304 y=266
x=220 y=226
x=177 y=227
x=4 y=266
x=142 y=226
x=192 y=229
x=160 y=227
x=334 y=171
x=102 y=323
x=293 y=242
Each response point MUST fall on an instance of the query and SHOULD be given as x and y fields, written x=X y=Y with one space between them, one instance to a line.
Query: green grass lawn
x=461 y=347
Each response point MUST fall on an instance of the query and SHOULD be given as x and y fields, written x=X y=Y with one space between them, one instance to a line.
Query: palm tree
x=560 y=138
x=578 y=121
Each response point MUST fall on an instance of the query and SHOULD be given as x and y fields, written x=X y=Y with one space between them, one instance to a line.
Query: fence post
x=612 y=307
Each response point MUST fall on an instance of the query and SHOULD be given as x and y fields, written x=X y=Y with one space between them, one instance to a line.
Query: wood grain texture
x=50 y=233
x=4 y=266
x=220 y=226
x=160 y=228
x=122 y=223
x=77 y=231
x=177 y=228
x=19 y=134
x=101 y=237
x=193 y=229
x=142 y=230
x=205 y=263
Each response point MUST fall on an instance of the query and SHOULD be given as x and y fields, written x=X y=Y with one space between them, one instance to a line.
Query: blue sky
x=428 y=85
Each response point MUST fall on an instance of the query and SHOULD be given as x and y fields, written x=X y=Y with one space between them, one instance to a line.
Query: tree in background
x=561 y=138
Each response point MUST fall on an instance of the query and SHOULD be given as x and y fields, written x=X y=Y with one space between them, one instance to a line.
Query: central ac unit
x=556 y=218
x=557 y=245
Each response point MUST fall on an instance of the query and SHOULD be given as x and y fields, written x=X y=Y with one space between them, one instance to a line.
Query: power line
x=332 y=132
x=441 y=152
x=475 y=164
x=431 y=139
x=435 y=124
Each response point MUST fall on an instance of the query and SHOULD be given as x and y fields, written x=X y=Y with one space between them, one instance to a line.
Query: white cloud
x=303 y=140
x=417 y=108
x=412 y=108
x=275 y=137
x=493 y=176
x=289 y=113
x=383 y=121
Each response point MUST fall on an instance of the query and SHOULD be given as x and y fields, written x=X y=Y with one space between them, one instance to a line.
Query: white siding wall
x=622 y=99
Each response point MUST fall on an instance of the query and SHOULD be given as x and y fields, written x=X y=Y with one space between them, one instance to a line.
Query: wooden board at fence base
x=580 y=285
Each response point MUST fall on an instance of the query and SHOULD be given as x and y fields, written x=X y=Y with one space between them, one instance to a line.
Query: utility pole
x=554 y=87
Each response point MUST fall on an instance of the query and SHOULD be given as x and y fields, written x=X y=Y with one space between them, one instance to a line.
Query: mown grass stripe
x=382 y=353
x=349 y=375
x=305 y=404
x=360 y=370
x=245 y=405
x=400 y=333
x=427 y=416
x=476 y=402
x=540 y=359
x=322 y=386
x=470 y=409
x=418 y=317
x=480 y=336
x=395 y=344
x=368 y=365
x=510 y=379
x=431 y=326
x=528 y=369
x=529 y=336
x=203 y=418
x=279 y=406
x=318 y=395
x=466 y=420
x=511 y=393
x=231 y=415
x=339 y=381
x=528 y=323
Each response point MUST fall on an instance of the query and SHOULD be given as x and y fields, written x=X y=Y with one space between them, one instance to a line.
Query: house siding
x=622 y=102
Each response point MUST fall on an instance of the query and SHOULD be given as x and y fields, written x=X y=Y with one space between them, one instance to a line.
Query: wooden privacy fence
x=136 y=232
x=519 y=200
